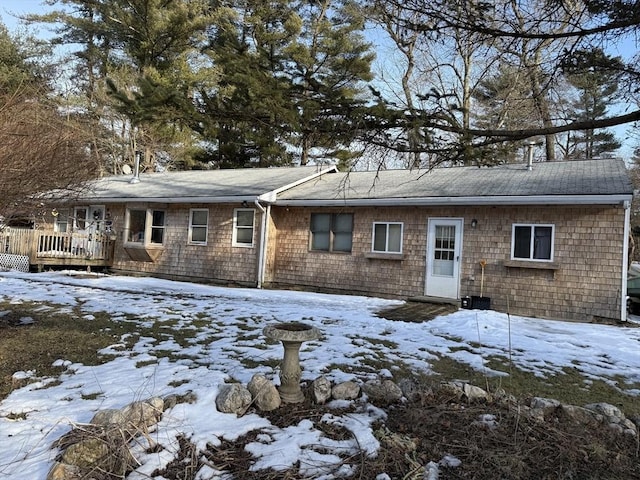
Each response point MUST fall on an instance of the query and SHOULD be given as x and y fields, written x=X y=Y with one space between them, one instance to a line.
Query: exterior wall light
x=474 y=223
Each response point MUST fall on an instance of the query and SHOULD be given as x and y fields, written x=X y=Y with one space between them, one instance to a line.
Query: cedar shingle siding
x=218 y=261
x=584 y=283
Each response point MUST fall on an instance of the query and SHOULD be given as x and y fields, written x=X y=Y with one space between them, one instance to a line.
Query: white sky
x=233 y=333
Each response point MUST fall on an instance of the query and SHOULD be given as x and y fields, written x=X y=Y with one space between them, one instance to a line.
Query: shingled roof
x=206 y=186
x=588 y=181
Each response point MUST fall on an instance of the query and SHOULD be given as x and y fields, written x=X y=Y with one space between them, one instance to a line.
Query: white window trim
x=533 y=226
x=386 y=240
x=234 y=241
x=147 y=228
x=205 y=226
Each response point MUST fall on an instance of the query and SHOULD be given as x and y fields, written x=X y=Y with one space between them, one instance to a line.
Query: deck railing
x=52 y=245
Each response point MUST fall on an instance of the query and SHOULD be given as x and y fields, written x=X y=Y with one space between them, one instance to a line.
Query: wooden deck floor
x=417 y=311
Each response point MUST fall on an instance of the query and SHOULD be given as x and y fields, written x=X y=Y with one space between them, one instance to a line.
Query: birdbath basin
x=291 y=334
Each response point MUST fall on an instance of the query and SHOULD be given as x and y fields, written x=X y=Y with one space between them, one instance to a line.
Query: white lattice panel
x=14 y=262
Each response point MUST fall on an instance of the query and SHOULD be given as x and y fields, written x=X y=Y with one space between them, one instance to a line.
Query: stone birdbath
x=291 y=334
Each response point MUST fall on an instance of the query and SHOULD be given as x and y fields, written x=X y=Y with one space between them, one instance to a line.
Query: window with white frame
x=332 y=232
x=532 y=242
x=243 y=226
x=198 y=226
x=387 y=237
x=145 y=226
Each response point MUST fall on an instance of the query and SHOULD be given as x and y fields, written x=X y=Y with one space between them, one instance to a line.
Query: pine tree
x=597 y=90
x=330 y=63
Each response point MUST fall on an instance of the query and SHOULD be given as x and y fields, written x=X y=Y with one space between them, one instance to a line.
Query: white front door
x=444 y=244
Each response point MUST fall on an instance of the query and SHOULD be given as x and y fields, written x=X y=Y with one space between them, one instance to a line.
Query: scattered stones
x=233 y=398
x=264 y=393
x=346 y=391
x=321 y=390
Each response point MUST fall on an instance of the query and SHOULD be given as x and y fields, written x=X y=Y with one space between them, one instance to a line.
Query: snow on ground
x=226 y=343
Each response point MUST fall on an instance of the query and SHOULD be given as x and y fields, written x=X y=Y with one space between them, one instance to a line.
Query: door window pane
x=444 y=251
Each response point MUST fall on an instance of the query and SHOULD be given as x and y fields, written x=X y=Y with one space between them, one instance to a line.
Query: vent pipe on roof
x=530 y=146
x=136 y=168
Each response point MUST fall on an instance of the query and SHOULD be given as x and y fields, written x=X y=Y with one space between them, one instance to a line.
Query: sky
x=8 y=8
x=230 y=346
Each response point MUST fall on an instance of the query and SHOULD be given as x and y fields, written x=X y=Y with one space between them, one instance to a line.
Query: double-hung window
x=145 y=226
x=387 y=237
x=243 y=226
x=331 y=232
x=532 y=242
x=198 y=226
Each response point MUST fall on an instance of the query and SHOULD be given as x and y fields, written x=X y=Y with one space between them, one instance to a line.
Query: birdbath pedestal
x=291 y=334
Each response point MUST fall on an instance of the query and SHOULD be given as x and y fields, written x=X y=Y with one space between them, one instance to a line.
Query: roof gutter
x=229 y=199
x=478 y=200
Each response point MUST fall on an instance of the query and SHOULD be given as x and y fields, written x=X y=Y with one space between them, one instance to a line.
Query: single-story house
x=547 y=240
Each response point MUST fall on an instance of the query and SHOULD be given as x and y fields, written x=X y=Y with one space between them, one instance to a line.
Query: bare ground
x=437 y=426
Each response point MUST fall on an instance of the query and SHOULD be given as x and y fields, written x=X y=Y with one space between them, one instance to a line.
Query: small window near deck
x=532 y=242
x=387 y=237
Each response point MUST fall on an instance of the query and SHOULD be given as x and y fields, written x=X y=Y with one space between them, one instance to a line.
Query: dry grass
x=51 y=336
x=436 y=424
x=415 y=433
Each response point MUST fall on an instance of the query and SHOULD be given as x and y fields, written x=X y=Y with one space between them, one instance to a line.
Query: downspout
x=262 y=248
x=625 y=259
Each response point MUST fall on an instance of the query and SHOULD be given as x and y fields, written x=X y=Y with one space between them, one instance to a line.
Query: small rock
x=409 y=388
x=470 y=392
x=109 y=416
x=475 y=393
x=582 y=415
x=546 y=404
x=383 y=392
x=141 y=415
x=88 y=453
x=606 y=409
x=264 y=393
x=321 y=390
x=346 y=391
x=233 y=398
x=63 y=471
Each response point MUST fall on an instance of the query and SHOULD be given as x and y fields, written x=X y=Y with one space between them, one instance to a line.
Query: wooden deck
x=51 y=248
x=419 y=309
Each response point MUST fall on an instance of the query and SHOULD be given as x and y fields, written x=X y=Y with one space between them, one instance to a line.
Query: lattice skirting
x=14 y=262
